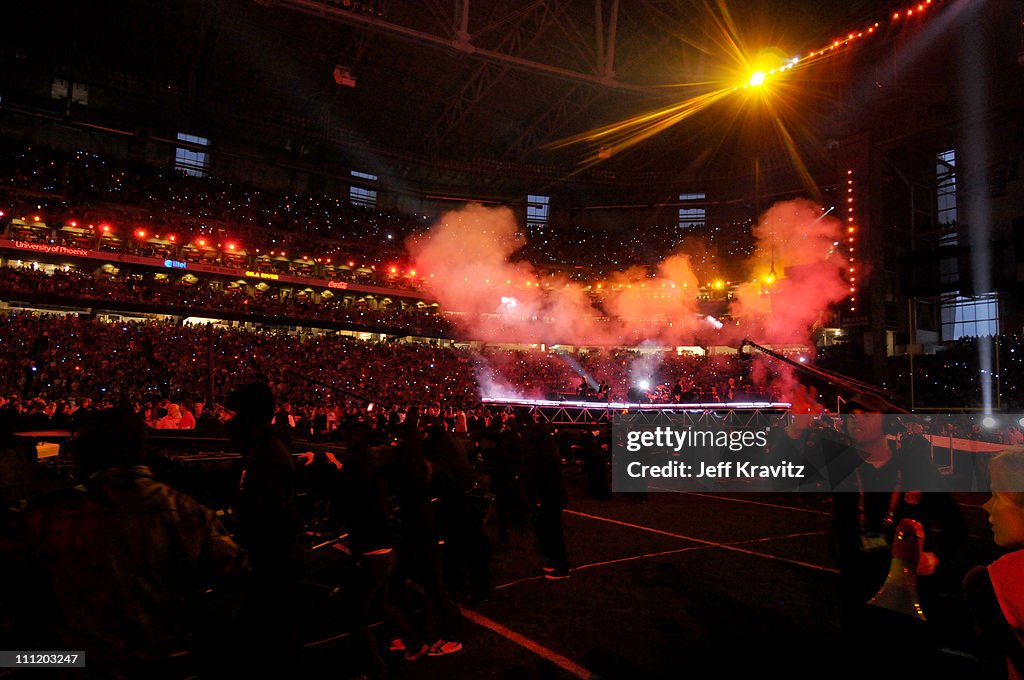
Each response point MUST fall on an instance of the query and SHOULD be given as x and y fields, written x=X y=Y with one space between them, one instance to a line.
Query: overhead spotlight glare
x=756 y=79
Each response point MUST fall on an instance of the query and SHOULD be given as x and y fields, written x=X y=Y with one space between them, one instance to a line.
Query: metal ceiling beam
x=487 y=75
x=576 y=99
x=323 y=9
x=555 y=118
x=547 y=126
x=606 y=43
x=609 y=57
x=439 y=11
x=461 y=105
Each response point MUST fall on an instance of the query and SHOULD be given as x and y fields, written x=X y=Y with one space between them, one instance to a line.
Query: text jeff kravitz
x=731 y=469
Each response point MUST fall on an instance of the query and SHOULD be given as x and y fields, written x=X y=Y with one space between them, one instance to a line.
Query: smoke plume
x=468 y=257
x=795 y=275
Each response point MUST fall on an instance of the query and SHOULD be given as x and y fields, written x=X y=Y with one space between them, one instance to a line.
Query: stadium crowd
x=57 y=359
x=65 y=357
x=201 y=298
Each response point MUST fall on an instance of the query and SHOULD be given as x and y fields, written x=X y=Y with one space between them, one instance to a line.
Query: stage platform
x=598 y=412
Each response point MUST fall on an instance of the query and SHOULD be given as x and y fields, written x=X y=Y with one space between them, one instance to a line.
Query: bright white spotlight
x=509 y=302
x=1021 y=422
x=713 y=322
x=756 y=79
x=989 y=422
x=645 y=385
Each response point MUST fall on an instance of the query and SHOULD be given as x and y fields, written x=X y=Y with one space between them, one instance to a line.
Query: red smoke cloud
x=489 y=297
x=796 y=241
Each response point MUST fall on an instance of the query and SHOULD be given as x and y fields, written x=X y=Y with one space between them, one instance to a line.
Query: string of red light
x=851 y=232
x=853 y=36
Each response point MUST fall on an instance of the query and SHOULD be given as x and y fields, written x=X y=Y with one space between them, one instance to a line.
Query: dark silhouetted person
x=285 y=424
x=116 y=566
x=460 y=512
x=266 y=519
x=420 y=547
x=546 y=491
x=372 y=541
x=594 y=465
x=506 y=477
